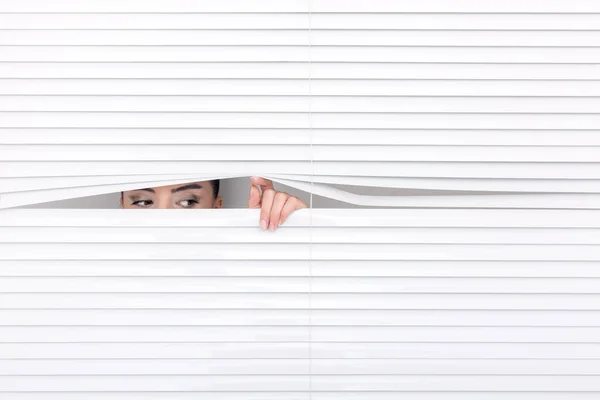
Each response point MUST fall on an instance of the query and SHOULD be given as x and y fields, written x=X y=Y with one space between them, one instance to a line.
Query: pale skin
x=275 y=207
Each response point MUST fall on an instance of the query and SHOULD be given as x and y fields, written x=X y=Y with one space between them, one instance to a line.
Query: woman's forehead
x=199 y=185
x=188 y=185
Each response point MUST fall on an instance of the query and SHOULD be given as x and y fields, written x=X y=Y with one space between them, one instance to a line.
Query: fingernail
x=263 y=224
x=272 y=227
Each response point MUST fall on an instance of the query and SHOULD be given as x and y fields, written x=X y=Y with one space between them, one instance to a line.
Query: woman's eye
x=142 y=203
x=189 y=203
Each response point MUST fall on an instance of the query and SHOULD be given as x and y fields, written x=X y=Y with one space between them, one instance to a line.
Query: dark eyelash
x=135 y=203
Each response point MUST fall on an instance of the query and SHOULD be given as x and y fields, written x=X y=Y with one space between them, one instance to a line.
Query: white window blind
x=487 y=289
x=422 y=303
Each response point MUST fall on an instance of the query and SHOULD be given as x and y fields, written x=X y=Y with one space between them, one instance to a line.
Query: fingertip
x=264 y=183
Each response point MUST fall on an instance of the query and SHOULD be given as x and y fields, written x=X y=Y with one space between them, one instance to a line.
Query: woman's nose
x=164 y=204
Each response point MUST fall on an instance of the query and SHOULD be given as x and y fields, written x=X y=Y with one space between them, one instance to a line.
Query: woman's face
x=188 y=195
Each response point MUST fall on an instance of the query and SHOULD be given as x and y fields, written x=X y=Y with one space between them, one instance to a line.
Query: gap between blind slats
x=525 y=200
x=518 y=184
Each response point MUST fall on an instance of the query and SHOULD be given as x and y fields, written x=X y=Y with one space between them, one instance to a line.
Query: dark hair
x=215 y=187
x=215 y=184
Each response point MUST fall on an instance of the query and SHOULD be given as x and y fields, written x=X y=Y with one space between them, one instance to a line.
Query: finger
x=288 y=208
x=265 y=209
x=278 y=203
x=262 y=182
x=254 y=198
x=292 y=204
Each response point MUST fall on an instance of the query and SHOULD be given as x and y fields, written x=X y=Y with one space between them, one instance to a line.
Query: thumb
x=254 y=199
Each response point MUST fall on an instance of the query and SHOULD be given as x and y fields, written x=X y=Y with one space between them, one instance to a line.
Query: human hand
x=275 y=206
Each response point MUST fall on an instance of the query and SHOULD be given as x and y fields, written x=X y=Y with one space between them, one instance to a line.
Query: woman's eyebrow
x=186 y=187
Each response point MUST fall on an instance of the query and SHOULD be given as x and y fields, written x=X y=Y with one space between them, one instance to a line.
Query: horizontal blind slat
x=349 y=268
x=279 y=53
x=439 y=6
x=304 y=218
x=136 y=6
x=326 y=395
x=40 y=171
x=298 y=37
x=137 y=251
x=440 y=137
x=355 y=351
x=336 y=301
x=297 y=285
x=297 y=104
x=300 y=317
x=319 y=367
x=319 y=153
x=279 y=21
x=296 y=70
x=162 y=235
x=293 y=87
x=297 y=334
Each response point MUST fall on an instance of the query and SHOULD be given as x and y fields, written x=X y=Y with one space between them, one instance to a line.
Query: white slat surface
x=500 y=303
x=431 y=305
x=464 y=95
